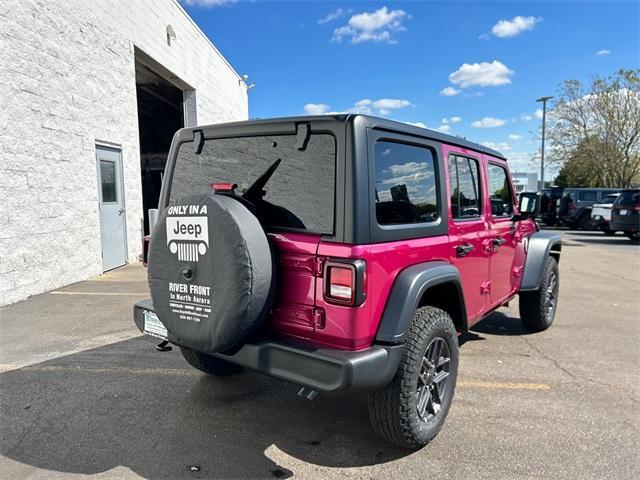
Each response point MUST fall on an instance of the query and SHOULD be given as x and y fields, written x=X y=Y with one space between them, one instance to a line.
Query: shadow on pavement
x=127 y=405
x=618 y=240
x=499 y=323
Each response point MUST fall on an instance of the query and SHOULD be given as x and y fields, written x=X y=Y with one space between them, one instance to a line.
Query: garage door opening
x=160 y=113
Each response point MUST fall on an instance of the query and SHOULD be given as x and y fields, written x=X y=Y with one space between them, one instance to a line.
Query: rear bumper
x=325 y=370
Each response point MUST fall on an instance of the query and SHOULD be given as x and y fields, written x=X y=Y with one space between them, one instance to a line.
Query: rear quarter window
x=405 y=184
x=300 y=194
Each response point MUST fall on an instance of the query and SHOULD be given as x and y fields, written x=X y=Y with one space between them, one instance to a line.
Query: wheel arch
x=539 y=246
x=434 y=283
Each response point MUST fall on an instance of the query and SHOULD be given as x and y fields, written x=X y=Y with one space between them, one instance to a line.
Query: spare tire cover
x=210 y=272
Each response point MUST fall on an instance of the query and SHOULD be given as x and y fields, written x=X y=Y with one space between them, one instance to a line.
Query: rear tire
x=633 y=236
x=583 y=222
x=608 y=231
x=411 y=410
x=208 y=363
x=538 y=308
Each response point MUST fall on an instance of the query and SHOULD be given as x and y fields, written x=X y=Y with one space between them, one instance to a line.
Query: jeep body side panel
x=354 y=328
x=539 y=247
x=406 y=294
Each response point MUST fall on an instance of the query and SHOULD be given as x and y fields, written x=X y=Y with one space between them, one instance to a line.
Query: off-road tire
x=536 y=312
x=208 y=363
x=393 y=411
x=583 y=222
x=633 y=236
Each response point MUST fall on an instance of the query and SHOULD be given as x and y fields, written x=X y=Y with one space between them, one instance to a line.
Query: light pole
x=544 y=101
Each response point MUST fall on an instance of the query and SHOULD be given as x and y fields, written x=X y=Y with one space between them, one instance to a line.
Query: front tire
x=538 y=308
x=411 y=410
x=208 y=363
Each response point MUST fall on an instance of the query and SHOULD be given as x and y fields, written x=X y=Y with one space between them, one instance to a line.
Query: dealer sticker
x=153 y=326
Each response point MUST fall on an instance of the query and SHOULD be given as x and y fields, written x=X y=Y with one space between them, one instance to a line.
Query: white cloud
x=483 y=74
x=500 y=146
x=514 y=136
x=488 y=122
x=207 y=3
x=604 y=51
x=375 y=26
x=330 y=17
x=316 y=108
x=444 y=128
x=515 y=26
x=451 y=120
x=538 y=114
x=525 y=117
x=449 y=92
x=366 y=106
x=383 y=106
x=391 y=103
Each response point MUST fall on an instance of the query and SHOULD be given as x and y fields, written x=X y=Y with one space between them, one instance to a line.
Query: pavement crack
x=578 y=377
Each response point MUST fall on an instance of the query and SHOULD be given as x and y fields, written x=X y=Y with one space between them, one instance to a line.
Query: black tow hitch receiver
x=164 y=346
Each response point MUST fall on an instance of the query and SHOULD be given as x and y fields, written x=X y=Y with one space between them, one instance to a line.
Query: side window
x=588 y=196
x=405 y=184
x=500 y=191
x=464 y=180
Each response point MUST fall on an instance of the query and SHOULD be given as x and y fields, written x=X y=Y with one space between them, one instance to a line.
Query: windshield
x=630 y=197
x=297 y=192
x=609 y=199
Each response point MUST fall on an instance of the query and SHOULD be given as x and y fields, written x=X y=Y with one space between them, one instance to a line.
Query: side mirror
x=529 y=205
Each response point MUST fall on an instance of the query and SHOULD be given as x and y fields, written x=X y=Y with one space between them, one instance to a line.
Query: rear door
x=504 y=236
x=289 y=179
x=468 y=229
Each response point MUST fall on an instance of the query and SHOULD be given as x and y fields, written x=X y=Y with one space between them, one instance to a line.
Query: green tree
x=594 y=131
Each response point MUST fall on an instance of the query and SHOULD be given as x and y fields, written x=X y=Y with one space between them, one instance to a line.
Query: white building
x=91 y=94
x=525 y=182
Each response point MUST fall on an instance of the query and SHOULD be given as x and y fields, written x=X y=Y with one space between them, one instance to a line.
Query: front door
x=468 y=230
x=112 y=212
x=503 y=238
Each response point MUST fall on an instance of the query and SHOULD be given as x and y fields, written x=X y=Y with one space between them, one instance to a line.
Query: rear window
x=298 y=195
x=631 y=197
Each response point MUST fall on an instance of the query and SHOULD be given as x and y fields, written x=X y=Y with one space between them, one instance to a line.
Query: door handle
x=464 y=250
x=496 y=242
x=121 y=211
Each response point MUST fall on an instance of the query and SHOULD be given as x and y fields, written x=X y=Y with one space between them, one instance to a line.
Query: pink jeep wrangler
x=344 y=254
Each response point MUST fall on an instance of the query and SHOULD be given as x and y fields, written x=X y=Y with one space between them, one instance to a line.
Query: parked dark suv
x=625 y=214
x=344 y=254
x=576 y=203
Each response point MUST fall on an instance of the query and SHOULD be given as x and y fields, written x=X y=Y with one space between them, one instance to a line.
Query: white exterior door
x=112 y=211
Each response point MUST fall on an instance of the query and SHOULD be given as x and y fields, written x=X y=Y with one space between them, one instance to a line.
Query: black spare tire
x=210 y=272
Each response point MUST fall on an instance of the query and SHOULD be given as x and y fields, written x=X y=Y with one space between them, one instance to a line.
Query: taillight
x=344 y=282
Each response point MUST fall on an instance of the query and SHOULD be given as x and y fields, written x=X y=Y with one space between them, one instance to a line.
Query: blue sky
x=468 y=68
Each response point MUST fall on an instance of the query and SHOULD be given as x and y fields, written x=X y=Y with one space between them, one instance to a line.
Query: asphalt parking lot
x=83 y=394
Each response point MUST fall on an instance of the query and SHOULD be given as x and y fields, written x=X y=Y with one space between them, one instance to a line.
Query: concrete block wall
x=67 y=82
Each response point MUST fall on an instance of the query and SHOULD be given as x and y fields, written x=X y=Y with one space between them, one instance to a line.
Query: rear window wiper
x=255 y=191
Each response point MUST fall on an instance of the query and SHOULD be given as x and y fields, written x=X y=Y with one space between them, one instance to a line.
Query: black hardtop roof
x=371 y=122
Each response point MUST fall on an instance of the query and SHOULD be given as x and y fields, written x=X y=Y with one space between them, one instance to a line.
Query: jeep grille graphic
x=187 y=252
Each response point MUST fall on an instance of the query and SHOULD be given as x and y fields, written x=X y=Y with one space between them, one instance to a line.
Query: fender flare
x=406 y=293
x=538 y=248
